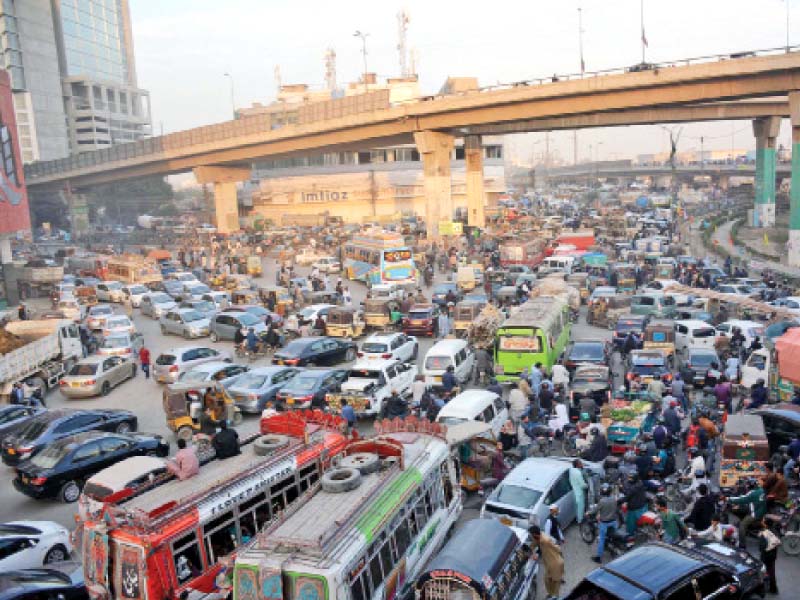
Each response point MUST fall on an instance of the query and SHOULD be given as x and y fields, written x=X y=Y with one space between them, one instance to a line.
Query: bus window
x=220 y=537
x=186 y=553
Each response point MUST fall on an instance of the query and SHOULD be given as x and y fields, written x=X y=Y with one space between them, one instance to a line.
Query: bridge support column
x=793 y=247
x=436 y=150
x=766 y=131
x=473 y=153
x=724 y=182
x=226 y=205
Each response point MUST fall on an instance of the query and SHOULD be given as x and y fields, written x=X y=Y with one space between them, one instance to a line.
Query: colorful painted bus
x=167 y=541
x=380 y=257
x=537 y=332
x=368 y=529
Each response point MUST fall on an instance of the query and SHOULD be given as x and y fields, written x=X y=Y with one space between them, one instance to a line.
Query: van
x=556 y=264
x=475 y=405
x=446 y=353
x=693 y=333
x=654 y=305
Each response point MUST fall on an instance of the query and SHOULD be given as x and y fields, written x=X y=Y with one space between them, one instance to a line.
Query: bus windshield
x=520 y=343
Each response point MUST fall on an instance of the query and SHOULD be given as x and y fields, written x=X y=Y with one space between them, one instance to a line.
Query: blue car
x=440 y=291
x=308 y=389
x=252 y=390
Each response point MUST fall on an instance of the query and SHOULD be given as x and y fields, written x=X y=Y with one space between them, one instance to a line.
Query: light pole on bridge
x=233 y=101
x=363 y=36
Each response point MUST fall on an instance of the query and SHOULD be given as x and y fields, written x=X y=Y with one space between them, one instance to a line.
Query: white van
x=475 y=405
x=446 y=353
x=556 y=264
x=693 y=333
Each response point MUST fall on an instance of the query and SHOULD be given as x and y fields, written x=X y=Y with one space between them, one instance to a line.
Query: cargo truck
x=38 y=281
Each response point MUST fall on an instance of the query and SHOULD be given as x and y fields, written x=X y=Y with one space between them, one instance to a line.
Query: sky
x=184 y=48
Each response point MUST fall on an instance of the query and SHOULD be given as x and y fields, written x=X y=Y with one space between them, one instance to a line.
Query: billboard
x=14 y=214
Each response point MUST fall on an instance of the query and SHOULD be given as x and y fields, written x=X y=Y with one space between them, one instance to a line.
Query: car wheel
x=311 y=364
x=213 y=337
x=350 y=355
x=163 y=330
x=70 y=492
x=133 y=371
x=186 y=335
x=105 y=389
x=57 y=553
x=124 y=427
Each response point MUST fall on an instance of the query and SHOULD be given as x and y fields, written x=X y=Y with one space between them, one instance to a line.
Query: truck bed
x=43 y=345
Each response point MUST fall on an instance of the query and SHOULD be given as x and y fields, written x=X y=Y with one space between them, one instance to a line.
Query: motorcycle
x=569 y=440
x=618 y=542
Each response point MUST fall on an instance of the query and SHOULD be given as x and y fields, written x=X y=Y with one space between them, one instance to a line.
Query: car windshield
x=702 y=359
x=419 y=314
x=83 y=369
x=304 y=383
x=192 y=315
x=118 y=322
x=374 y=347
x=247 y=319
x=160 y=299
x=587 y=352
x=33 y=429
x=101 y=310
x=516 y=495
x=629 y=325
x=116 y=341
x=194 y=376
x=137 y=289
x=438 y=363
x=50 y=456
x=166 y=359
x=251 y=381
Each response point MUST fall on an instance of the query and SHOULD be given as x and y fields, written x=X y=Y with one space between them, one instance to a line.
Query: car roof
x=315 y=373
x=653 y=567
x=182 y=349
x=535 y=470
x=446 y=347
x=372 y=364
x=741 y=323
x=212 y=366
x=267 y=370
x=382 y=337
x=692 y=323
x=784 y=409
x=91 y=360
x=469 y=402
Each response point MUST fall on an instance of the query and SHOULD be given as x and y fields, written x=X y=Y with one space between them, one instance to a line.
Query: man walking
x=144 y=361
x=552 y=559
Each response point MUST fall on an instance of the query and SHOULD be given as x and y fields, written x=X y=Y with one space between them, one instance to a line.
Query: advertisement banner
x=14 y=215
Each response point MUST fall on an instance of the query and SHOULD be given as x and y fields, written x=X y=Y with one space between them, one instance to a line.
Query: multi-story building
x=73 y=74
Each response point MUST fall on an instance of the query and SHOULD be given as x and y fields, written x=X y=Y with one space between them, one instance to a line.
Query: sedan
x=186 y=322
x=588 y=352
x=121 y=344
x=173 y=288
x=96 y=375
x=312 y=351
x=60 y=469
x=110 y=291
x=14 y=416
x=156 y=304
x=252 y=390
x=135 y=292
x=257 y=311
x=308 y=389
x=648 y=365
x=118 y=324
x=96 y=316
x=53 y=425
x=205 y=307
x=32 y=544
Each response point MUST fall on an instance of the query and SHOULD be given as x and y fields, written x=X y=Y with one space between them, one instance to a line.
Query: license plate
x=11 y=451
x=437 y=379
x=26 y=479
x=505 y=521
x=290 y=401
x=75 y=384
x=280 y=362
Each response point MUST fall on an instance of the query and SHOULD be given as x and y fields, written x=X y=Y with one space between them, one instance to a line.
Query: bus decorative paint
x=171 y=538
x=380 y=257
x=536 y=332
x=366 y=542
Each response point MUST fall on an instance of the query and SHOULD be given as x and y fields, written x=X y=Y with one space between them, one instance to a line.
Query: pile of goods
x=9 y=342
x=553 y=287
x=482 y=330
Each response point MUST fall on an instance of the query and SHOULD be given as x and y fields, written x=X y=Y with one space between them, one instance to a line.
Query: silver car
x=169 y=365
x=135 y=292
x=121 y=344
x=203 y=376
x=96 y=316
x=157 y=304
x=204 y=307
x=96 y=375
x=186 y=322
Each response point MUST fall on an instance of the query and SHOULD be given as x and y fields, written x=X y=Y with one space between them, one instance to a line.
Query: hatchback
x=225 y=324
x=252 y=390
x=171 y=364
x=96 y=375
x=155 y=304
x=185 y=322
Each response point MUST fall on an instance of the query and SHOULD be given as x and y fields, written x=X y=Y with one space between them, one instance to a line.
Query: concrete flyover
x=722 y=88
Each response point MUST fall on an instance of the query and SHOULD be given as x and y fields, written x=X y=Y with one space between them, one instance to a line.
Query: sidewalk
x=723 y=238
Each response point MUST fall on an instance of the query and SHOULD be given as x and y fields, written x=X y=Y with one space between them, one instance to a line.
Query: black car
x=63 y=581
x=308 y=388
x=691 y=569
x=59 y=470
x=53 y=425
x=696 y=365
x=588 y=352
x=781 y=423
x=14 y=416
x=310 y=351
x=625 y=324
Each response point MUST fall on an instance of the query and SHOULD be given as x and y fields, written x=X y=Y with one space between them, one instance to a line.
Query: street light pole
x=787 y=25
x=580 y=38
x=233 y=101
x=363 y=36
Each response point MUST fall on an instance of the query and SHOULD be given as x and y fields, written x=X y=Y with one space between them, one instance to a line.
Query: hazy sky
x=183 y=48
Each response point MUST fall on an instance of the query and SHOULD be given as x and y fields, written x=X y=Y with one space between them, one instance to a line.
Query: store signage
x=323 y=196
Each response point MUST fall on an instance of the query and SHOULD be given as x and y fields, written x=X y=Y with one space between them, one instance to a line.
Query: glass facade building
x=94 y=43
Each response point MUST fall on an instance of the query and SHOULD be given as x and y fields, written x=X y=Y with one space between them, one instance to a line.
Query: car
x=223 y=326
x=205 y=307
x=61 y=581
x=53 y=425
x=203 y=376
x=696 y=363
x=173 y=288
x=327 y=264
x=737 y=290
x=590 y=380
x=648 y=365
x=395 y=345
x=110 y=291
x=70 y=308
x=306 y=257
x=628 y=323
x=118 y=324
x=693 y=568
x=310 y=313
x=440 y=291
x=422 y=319
x=790 y=303
x=135 y=292
x=310 y=351
x=194 y=290
x=59 y=469
x=749 y=329
x=585 y=352
x=87 y=282
x=252 y=390
x=370 y=384
x=220 y=299
x=257 y=311
x=171 y=364
x=185 y=322
x=694 y=314
x=96 y=316
x=14 y=416
x=181 y=277
x=308 y=388
x=155 y=304
x=96 y=375
x=32 y=544
x=121 y=344
x=781 y=423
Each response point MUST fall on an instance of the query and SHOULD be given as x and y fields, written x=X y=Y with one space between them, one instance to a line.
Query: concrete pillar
x=724 y=182
x=436 y=150
x=473 y=155
x=793 y=246
x=766 y=131
x=226 y=205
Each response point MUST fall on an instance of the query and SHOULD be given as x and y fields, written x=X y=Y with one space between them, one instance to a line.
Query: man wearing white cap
x=552 y=527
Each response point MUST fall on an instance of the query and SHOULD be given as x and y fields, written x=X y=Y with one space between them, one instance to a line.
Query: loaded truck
x=46 y=350
x=38 y=281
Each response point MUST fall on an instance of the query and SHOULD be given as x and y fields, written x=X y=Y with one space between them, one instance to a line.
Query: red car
x=422 y=319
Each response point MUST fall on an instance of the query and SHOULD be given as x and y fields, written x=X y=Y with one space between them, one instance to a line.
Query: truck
x=778 y=367
x=91 y=265
x=50 y=347
x=369 y=384
x=130 y=269
x=37 y=281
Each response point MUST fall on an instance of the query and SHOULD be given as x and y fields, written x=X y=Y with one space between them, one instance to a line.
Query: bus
x=537 y=332
x=170 y=539
x=369 y=534
x=380 y=257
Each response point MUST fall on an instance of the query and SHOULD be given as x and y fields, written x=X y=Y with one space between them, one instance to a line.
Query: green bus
x=537 y=332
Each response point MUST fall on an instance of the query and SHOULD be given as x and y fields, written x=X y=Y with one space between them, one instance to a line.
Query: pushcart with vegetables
x=626 y=419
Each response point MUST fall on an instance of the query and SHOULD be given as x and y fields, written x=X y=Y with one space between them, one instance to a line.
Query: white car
x=135 y=292
x=790 y=303
x=749 y=329
x=306 y=257
x=96 y=316
x=310 y=313
x=110 y=291
x=385 y=290
x=183 y=277
x=118 y=324
x=327 y=264
x=397 y=346
x=32 y=544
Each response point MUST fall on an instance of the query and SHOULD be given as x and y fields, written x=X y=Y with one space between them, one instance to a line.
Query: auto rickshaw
x=475 y=444
x=665 y=271
x=183 y=404
x=580 y=281
x=217 y=281
x=378 y=312
x=280 y=297
x=607 y=309
x=626 y=277
x=344 y=321
x=244 y=297
x=463 y=316
x=660 y=335
x=254 y=266
x=322 y=297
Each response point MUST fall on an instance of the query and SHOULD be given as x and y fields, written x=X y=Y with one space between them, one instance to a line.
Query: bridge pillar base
x=226 y=204
x=436 y=150
x=766 y=131
x=793 y=244
x=473 y=154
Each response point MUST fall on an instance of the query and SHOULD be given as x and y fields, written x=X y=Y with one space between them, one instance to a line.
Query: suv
x=696 y=364
x=691 y=569
x=422 y=319
x=370 y=382
x=170 y=364
x=397 y=346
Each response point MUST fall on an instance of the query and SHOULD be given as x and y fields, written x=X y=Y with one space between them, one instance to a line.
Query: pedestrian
x=128 y=307
x=518 y=401
x=535 y=377
x=768 y=544
x=678 y=391
x=552 y=559
x=22 y=312
x=443 y=324
x=703 y=510
x=607 y=519
x=17 y=394
x=144 y=361
x=348 y=298
x=673 y=528
x=349 y=415
x=552 y=527
x=579 y=487
x=524 y=437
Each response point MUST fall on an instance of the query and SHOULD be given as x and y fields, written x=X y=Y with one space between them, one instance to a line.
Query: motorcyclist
x=607 y=519
x=636 y=498
x=598 y=446
x=644 y=462
x=671 y=419
x=429 y=275
x=756 y=502
x=449 y=381
x=396 y=406
x=319 y=323
x=239 y=337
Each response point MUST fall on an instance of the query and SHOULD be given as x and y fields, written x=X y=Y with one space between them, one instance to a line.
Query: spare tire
x=365 y=462
x=267 y=444
x=341 y=479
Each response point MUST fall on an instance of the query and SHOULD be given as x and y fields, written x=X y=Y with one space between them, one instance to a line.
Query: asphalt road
x=144 y=398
